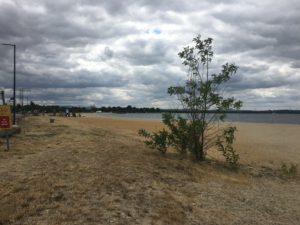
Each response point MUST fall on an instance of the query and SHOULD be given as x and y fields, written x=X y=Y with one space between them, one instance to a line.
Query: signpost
x=5 y=121
x=14 y=104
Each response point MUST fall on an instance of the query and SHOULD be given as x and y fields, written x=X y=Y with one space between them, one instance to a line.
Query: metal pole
x=22 y=98
x=14 y=109
x=3 y=97
x=14 y=106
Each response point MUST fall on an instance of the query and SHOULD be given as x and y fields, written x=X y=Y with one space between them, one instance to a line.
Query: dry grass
x=97 y=171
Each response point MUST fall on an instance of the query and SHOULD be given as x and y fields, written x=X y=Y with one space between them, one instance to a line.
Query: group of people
x=72 y=114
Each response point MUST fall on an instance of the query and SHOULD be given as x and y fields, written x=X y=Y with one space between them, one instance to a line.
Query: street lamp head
x=8 y=44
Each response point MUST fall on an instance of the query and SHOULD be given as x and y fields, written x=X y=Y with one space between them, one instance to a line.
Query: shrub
x=224 y=143
x=287 y=171
x=159 y=140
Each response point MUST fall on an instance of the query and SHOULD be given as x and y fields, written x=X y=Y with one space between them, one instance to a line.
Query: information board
x=5 y=117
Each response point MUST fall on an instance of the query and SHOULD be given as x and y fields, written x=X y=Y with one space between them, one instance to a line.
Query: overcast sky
x=90 y=52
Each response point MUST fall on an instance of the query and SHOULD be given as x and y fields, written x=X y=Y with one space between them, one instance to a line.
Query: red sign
x=4 y=122
x=5 y=117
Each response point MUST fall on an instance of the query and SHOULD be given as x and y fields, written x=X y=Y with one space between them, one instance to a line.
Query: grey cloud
x=107 y=54
x=147 y=52
x=263 y=27
x=296 y=64
x=116 y=7
x=58 y=26
x=61 y=96
x=255 y=78
x=78 y=79
x=281 y=100
x=57 y=44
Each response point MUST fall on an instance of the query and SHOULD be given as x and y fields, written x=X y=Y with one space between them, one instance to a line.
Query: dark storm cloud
x=125 y=52
x=78 y=79
x=264 y=27
x=260 y=77
x=56 y=25
x=63 y=79
x=147 y=52
x=116 y=7
x=258 y=82
x=296 y=64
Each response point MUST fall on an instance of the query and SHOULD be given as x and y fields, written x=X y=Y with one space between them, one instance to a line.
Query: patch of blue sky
x=156 y=31
x=153 y=31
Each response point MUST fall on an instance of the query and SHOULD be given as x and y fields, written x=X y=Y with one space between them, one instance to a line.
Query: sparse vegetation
x=288 y=171
x=201 y=93
x=95 y=171
x=224 y=144
x=159 y=140
x=178 y=135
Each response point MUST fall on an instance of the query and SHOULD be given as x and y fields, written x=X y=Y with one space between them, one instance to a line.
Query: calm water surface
x=232 y=117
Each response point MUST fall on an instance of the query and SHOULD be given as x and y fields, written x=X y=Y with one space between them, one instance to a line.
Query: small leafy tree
x=201 y=94
x=224 y=143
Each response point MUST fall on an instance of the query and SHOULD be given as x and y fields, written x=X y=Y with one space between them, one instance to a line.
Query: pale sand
x=271 y=143
x=258 y=143
x=98 y=171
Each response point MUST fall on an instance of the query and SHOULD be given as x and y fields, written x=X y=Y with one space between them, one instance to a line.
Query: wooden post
x=7 y=142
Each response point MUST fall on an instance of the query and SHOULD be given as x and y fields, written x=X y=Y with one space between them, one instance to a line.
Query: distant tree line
x=50 y=108
x=129 y=109
x=76 y=109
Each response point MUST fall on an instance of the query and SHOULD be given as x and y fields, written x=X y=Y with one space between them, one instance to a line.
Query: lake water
x=231 y=117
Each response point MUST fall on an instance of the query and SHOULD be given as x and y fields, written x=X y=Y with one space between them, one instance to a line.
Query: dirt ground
x=98 y=171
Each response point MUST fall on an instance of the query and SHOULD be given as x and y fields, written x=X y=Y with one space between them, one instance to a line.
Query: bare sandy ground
x=97 y=171
x=257 y=143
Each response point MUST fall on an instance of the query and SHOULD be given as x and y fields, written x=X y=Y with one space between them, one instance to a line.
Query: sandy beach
x=97 y=171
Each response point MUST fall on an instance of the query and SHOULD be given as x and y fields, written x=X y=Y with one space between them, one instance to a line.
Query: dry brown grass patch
x=89 y=171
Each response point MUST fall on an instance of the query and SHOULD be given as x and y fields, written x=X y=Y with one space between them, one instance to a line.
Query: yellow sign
x=5 y=117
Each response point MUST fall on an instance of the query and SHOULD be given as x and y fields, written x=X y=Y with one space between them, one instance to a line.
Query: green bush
x=179 y=135
x=224 y=144
x=159 y=140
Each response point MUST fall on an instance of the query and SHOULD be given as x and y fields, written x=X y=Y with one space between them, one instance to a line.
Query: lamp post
x=14 y=104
